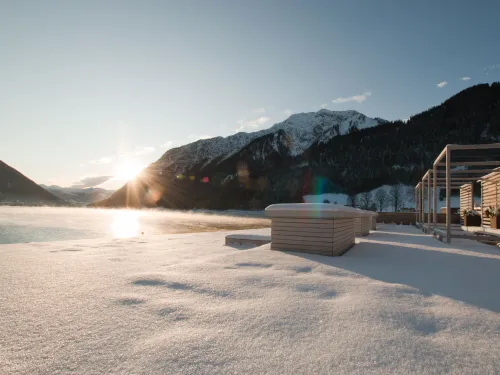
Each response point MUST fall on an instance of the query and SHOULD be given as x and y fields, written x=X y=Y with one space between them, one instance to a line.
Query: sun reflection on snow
x=125 y=224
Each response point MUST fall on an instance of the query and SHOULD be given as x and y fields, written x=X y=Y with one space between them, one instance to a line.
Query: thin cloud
x=324 y=105
x=442 y=84
x=252 y=125
x=139 y=150
x=88 y=182
x=196 y=137
x=355 y=98
x=465 y=78
x=287 y=112
x=167 y=144
x=259 y=111
x=105 y=160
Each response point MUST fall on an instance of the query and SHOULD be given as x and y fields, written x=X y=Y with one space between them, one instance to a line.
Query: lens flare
x=127 y=171
x=125 y=224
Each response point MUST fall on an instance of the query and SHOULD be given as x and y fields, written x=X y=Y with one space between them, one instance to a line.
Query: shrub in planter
x=471 y=218
x=493 y=212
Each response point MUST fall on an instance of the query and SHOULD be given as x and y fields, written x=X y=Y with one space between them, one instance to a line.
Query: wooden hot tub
x=315 y=228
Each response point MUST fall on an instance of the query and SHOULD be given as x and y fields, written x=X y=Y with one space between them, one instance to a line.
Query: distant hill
x=15 y=188
x=322 y=152
x=78 y=196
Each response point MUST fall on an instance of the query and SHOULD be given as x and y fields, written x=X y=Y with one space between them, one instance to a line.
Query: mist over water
x=42 y=224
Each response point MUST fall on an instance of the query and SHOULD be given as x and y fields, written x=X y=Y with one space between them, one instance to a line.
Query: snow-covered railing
x=317 y=228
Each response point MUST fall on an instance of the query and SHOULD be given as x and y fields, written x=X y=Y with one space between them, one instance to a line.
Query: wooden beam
x=440 y=156
x=483 y=146
x=470 y=163
x=464 y=180
x=469 y=171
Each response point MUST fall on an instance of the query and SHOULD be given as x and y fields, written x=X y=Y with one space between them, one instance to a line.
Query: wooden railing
x=407 y=218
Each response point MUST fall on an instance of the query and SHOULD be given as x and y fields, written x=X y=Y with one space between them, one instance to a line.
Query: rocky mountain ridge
x=312 y=153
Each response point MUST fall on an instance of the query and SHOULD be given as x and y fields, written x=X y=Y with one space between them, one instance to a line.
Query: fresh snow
x=398 y=302
x=302 y=130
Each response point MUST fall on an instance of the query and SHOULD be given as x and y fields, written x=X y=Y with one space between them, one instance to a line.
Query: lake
x=42 y=224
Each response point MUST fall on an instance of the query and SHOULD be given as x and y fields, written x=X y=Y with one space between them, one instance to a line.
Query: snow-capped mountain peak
x=302 y=130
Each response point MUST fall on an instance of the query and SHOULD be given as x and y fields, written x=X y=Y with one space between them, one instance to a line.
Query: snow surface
x=302 y=130
x=398 y=302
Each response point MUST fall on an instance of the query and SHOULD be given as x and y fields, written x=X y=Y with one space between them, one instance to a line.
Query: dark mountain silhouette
x=78 y=196
x=17 y=188
x=266 y=170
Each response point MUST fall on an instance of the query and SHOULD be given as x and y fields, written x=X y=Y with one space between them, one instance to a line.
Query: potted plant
x=471 y=218
x=493 y=212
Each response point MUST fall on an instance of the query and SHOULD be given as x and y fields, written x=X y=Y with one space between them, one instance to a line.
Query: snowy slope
x=302 y=130
x=399 y=302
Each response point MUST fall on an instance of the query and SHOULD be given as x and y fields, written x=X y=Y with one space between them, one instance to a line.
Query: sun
x=127 y=170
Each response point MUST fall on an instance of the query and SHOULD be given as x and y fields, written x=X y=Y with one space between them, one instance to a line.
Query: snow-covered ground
x=398 y=302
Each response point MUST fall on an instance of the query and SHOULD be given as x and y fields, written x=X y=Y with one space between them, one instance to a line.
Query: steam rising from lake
x=41 y=224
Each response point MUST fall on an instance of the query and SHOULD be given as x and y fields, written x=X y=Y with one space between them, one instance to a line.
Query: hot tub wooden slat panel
x=343 y=239
x=339 y=239
x=332 y=234
x=347 y=232
x=306 y=240
x=301 y=227
x=308 y=236
x=298 y=220
x=305 y=247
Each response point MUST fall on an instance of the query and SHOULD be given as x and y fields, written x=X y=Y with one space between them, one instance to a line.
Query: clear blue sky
x=98 y=88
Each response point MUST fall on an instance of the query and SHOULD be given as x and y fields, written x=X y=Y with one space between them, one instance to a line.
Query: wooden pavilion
x=459 y=167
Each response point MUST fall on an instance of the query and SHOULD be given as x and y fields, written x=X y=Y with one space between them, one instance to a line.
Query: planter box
x=472 y=221
x=495 y=222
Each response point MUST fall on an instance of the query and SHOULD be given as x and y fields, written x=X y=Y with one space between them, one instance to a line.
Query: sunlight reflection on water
x=125 y=224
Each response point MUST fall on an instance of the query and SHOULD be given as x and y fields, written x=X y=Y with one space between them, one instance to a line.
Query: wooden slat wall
x=362 y=226
x=489 y=196
x=374 y=223
x=465 y=201
x=343 y=235
x=366 y=224
x=313 y=236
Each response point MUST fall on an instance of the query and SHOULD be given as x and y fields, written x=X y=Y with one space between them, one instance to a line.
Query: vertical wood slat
x=465 y=201
x=489 y=197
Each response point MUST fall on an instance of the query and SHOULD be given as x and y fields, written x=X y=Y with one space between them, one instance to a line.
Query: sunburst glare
x=127 y=170
x=125 y=224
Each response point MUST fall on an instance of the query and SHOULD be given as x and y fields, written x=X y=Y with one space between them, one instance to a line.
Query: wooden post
x=482 y=207
x=448 y=195
x=434 y=195
x=423 y=202
x=472 y=195
x=428 y=201
x=416 y=204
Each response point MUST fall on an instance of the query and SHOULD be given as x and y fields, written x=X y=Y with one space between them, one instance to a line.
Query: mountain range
x=16 y=188
x=319 y=152
x=78 y=196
